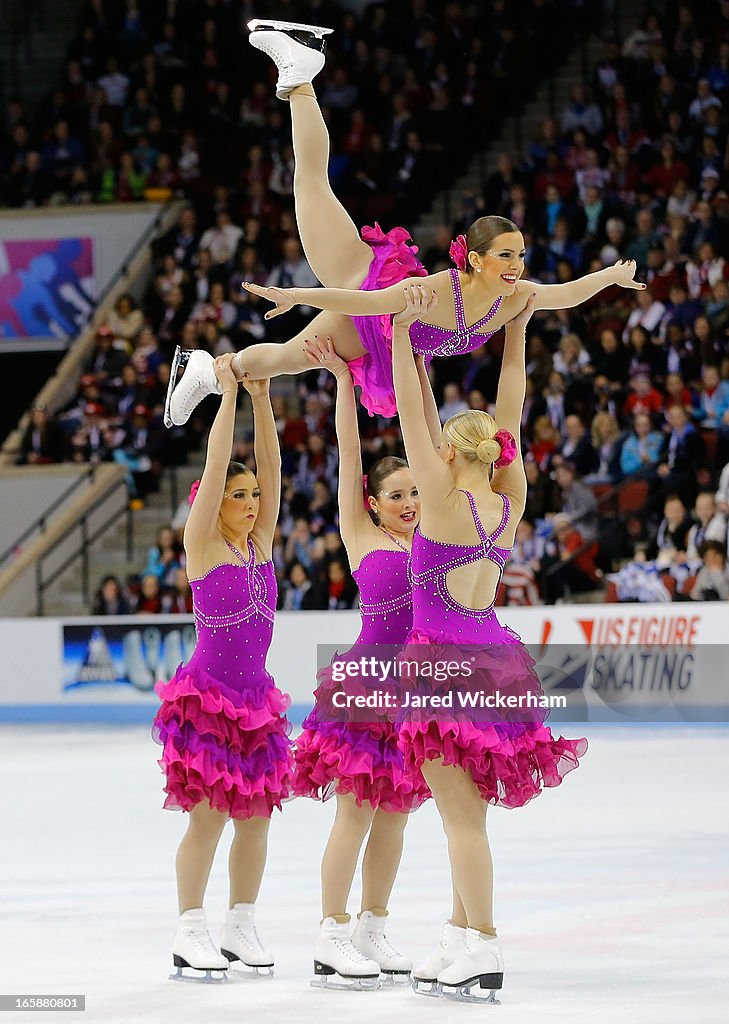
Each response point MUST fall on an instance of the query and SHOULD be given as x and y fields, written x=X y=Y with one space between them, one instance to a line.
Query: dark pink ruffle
x=236 y=756
x=510 y=761
x=363 y=760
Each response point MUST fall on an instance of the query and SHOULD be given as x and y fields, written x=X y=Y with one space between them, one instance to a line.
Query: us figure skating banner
x=47 y=288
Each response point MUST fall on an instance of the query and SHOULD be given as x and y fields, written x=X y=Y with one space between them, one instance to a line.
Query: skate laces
x=349 y=949
x=201 y=940
x=249 y=936
x=280 y=62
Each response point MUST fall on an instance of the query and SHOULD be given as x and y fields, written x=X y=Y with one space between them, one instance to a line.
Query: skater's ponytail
x=373 y=483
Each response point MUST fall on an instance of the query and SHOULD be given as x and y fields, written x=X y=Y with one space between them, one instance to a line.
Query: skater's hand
x=320 y=352
x=624 y=272
x=224 y=372
x=280 y=296
x=255 y=387
x=419 y=300
x=520 y=321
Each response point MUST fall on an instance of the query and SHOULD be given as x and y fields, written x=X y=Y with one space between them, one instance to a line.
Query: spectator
x=710 y=525
x=109 y=599
x=297 y=592
x=642 y=448
x=569 y=564
x=671 y=538
x=453 y=402
x=607 y=441
x=577 y=448
x=149 y=601
x=684 y=454
x=578 y=501
x=712 y=583
x=43 y=441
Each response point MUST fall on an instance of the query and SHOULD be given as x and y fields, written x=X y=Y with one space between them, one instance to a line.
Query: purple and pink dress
x=393 y=260
x=510 y=758
x=359 y=753
x=222 y=721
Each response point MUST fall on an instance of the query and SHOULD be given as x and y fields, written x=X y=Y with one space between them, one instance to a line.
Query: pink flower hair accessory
x=193 y=491
x=458 y=252
x=365 y=493
x=508 y=448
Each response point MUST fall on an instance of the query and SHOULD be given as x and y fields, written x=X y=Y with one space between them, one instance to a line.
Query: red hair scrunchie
x=458 y=252
x=193 y=491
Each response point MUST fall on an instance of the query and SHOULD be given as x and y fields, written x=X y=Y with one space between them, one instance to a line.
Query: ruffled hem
x=365 y=762
x=393 y=260
x=236 y=756
x=510 y=761
x=509 y=767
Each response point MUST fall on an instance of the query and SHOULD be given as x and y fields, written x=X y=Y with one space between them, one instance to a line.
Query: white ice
x=611 y=891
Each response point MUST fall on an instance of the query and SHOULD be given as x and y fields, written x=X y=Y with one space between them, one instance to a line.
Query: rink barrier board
x=75 y=669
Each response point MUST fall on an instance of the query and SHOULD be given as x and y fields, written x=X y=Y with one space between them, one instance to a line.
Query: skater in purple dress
x=356 y=757
x=473 y=489
x=222 y=725
x=362 y=271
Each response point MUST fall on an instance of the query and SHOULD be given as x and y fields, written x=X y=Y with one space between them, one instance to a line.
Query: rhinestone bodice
x=434 y=609
x=386 y=602
x=427 y=339
x=234 y=608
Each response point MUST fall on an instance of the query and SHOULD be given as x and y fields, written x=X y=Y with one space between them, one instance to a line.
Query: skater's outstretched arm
x=202 y=522
x=355 y=524
x=349 y=301
x=268 y=465
x=511 y=479
x=572 y=293
x=430 y=409
x=430 y=472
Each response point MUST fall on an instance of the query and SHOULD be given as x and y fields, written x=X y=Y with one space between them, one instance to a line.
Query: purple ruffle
x=393 y=260
x=235 y=755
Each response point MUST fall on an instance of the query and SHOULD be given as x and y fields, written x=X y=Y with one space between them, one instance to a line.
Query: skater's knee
x=254 y=830
x=206 y=825
x=384 y=823
x=356 y=819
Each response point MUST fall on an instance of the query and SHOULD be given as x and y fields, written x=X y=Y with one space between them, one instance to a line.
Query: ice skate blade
x=434 y=991
x=210 y=976
x=345 y=985
x=395 y=979
x=462 y=993
x=288 y=26
x=179 y=359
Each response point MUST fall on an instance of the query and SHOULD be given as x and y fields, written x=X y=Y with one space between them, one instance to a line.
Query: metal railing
x=41 y=523
x=86 y=539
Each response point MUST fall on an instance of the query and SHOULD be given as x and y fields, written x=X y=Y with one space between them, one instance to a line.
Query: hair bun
x=488 y=451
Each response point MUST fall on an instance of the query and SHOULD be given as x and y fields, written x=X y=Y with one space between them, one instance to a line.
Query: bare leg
x=247 y=859
x=463 y=812
x=333 y=247
x=270 y=360
x=195 y=855
x=382 y=858
x=338 y=864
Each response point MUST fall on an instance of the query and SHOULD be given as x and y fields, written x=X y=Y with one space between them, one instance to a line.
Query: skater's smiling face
x=239 y=508
x=503 y=264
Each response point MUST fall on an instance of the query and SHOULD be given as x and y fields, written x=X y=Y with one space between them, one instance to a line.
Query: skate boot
x=481 y=963
x=193 y=948
x=452 y=944
x=198 y=380
x=370 y=939
x=296 y=50
x=335 y=955
x=240 y=942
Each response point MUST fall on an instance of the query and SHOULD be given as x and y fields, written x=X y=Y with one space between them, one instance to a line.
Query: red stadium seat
x=633 y=497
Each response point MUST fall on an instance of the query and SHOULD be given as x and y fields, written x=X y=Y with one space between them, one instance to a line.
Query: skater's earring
x=374 y=511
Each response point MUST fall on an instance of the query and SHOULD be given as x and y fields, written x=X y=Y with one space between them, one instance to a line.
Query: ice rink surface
x=612 y=902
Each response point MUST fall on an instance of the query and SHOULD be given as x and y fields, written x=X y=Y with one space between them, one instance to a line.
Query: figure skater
x=356 y=757
x=473 y=490
x=222 y=722
x=362 y=274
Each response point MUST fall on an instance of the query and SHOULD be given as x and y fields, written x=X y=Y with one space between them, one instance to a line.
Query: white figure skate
x=336 y=957
x=370 y=939
x=480 y=964
x=240 y=942
x=296 y=50
x=197 y=382
x=452 y=944
x=193 y=948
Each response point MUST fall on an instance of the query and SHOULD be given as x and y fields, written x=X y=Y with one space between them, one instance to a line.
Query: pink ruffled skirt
x=510 y=761
x=361 y=757
x=230 y=750
x=393 y=260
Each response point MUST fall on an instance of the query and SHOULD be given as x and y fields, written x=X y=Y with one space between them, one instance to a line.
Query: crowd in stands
x=629 y=391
